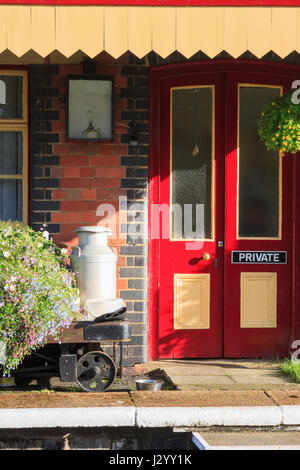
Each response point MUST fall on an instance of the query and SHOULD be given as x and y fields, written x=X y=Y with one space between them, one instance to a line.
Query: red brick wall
x=89 y=172
x=69 y=180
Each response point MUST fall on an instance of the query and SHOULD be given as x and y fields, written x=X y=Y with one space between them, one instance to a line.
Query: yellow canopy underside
x=93 y=29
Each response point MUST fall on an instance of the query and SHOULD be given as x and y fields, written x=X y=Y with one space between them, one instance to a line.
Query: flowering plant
x=279 y=124
x=38 y=296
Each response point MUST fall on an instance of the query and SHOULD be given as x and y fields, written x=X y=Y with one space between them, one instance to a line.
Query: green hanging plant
x=279 y=124
x=38 y=295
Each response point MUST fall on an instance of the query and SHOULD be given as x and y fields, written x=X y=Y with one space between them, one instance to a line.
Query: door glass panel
x=191 y=161
x=11 y=97
x=11 y=199
x=259 y=168
x=11 y=153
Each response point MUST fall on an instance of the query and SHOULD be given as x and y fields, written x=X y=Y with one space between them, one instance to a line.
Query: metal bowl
x=148 y=384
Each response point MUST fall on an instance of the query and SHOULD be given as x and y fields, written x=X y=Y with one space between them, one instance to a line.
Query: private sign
x=259 y=257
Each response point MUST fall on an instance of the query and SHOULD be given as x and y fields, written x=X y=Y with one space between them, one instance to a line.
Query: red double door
x=224 y=254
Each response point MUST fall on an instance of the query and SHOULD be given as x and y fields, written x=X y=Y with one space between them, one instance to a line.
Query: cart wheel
x=95 y=372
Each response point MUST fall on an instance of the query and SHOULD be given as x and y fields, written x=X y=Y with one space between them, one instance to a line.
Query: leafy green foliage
x=279 y=125
x=291 y=368
x=38 y=295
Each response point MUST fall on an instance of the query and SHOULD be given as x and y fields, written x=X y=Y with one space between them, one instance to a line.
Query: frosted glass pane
x=259 y=190
x=192 y=156
x=11 y=97
x=11 y=153
x=90 y=108
x=11 y=200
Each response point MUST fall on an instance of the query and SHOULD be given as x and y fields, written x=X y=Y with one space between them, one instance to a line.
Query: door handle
x=205 y=257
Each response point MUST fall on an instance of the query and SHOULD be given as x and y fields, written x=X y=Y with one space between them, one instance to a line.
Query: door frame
x=182 y=69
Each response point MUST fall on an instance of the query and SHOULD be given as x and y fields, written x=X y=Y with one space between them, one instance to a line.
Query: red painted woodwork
x=174 y=256
x=165 y=259
x=255 y=342
x=156 y=2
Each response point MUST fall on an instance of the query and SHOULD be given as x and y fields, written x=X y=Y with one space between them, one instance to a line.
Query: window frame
x=279 y=222
x=213 y=157
x=98 y=78
x=19 y=125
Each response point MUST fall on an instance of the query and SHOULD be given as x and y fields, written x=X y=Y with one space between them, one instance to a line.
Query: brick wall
x=70 y=179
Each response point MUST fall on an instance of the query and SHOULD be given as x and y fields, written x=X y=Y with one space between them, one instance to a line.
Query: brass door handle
x=205 y=257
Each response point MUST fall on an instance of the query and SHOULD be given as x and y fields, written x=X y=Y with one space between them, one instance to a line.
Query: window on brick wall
x=13 y=145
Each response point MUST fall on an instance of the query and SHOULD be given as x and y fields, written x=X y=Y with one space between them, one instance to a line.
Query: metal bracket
x=67 y=367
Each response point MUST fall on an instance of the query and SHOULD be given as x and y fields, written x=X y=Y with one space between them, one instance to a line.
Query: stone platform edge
x=150 y=417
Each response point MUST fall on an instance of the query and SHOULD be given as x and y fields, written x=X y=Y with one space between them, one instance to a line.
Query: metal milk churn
x=95 y=264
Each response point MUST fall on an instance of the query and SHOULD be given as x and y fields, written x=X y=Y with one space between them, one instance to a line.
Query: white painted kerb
x=291 y=414
x=210 y=416
x=157 y=417
x=66 y=417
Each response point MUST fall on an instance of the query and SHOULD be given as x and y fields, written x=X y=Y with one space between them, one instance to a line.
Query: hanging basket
x=279 y=125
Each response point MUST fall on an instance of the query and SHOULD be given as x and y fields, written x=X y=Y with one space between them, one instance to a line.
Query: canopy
x=141 y=29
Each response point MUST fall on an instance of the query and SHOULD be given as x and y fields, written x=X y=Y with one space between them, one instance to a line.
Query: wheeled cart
x=79 y=356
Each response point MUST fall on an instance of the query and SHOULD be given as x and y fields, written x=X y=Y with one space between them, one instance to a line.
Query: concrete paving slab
x=254 y=372
x=246 y=438
x=224 y=373
x=199 y=398
x=240 y=386
x=247 y=364
x=227 y=363
x=261 y=379
x=282 y=397
x=199 y=370
x=64 y=400
x=196 y=380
